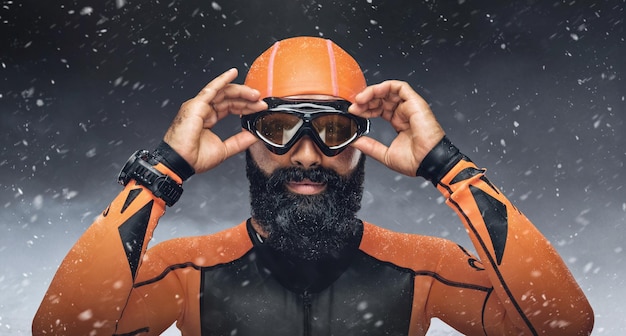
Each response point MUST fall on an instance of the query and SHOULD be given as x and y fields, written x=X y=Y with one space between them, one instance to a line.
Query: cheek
x=347 y=161
x=266 y=160
x=356 y=156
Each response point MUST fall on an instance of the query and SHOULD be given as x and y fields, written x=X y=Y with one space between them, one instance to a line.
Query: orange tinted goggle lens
x=333 y=129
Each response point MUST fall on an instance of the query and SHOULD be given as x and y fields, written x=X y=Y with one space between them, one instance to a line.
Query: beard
x=307 y=227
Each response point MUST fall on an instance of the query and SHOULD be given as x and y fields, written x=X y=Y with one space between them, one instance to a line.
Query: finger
x=360 y=106
x=235 y=92
x=377 y=91
x=240 y=91
x=376 y=99
x=367 y=113
x=389 y=107
x=211 y=90
x=365 y=96
x=245 y=107
x=237 y=99
x=370 y=109
x=238 y=106
x=377 y=107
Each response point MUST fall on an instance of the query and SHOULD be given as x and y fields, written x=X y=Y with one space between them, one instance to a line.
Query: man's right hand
x=190 y=133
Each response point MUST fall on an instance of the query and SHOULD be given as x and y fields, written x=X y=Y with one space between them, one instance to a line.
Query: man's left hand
x=409 y=114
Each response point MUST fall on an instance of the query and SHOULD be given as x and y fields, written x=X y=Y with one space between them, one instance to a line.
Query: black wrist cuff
x=172 y=160
x=140 y=167
x=439 y=161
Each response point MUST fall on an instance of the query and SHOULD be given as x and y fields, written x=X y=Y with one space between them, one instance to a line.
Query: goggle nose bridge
x=305 y=129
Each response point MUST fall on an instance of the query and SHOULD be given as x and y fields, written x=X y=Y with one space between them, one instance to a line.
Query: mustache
x=295 y=174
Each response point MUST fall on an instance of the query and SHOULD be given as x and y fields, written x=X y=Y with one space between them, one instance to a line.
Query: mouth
x=306 y=187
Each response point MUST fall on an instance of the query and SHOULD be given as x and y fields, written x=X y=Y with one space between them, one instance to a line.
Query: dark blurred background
x=533 y=90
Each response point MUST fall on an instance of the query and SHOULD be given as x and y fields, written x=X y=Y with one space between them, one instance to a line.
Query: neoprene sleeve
x=95 y=279
x=529 y=278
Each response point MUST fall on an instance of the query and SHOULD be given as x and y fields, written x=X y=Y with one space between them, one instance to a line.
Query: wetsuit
x=385 y=283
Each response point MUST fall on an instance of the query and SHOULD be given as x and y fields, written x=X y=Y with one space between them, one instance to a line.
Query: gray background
x=532 y=90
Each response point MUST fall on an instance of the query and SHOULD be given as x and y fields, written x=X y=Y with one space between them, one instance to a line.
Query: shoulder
x=406 y=250
x=208 y=250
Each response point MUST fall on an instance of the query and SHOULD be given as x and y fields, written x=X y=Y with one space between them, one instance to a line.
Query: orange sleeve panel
x=92 y=285
x=518 y=284
x=167 y=287
x=449 y=283
x=533 y=291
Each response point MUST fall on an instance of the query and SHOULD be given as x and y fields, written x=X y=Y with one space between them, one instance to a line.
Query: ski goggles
x=286 y=121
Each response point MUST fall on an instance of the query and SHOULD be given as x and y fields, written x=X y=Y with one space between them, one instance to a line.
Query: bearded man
x=304 y=263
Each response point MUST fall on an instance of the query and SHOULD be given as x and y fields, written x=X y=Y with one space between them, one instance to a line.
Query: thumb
x=238 y=143
x=371 y=147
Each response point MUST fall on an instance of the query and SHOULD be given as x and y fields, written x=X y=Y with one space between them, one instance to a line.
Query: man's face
x=304 y=202
x=306 y=154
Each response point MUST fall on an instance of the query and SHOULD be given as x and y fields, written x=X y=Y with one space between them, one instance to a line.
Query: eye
x=278 y=128
x=336 y=129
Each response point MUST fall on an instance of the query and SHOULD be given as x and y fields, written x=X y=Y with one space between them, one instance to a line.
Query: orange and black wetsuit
x=386 y=283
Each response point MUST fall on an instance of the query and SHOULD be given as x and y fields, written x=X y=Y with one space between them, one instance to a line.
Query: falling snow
x=533 y=93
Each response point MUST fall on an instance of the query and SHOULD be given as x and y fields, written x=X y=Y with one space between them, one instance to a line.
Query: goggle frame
x=306 y=110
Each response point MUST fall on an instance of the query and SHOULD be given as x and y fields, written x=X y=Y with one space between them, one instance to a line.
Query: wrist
x=167 y=156
x=145 y=170
x=439 y=161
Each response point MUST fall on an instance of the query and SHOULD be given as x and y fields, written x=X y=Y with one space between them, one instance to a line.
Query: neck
x=258 y=228
x=302 y=275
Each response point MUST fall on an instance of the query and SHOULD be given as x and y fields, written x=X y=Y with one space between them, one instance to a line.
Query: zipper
x=306 y=304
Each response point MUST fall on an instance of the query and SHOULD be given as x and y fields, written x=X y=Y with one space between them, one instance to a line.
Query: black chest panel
x=244 y=298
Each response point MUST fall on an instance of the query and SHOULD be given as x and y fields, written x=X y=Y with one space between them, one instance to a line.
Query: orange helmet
x=306 y=65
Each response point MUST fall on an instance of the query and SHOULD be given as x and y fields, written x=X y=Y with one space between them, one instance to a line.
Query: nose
x=305 y=153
